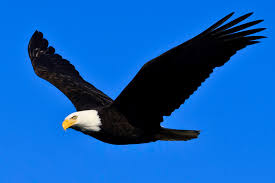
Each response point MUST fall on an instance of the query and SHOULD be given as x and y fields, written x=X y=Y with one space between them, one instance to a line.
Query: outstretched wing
x=164 y=83
x=63 y=75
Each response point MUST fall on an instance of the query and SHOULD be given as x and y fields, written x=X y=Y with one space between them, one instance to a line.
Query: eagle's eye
x=74 y=117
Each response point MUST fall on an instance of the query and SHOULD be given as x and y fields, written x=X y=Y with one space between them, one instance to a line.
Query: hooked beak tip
x=67 y=124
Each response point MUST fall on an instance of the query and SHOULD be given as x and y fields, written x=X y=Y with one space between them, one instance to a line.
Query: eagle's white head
x=87 y=120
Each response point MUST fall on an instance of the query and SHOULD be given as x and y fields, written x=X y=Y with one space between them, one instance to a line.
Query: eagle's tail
x=177 y=135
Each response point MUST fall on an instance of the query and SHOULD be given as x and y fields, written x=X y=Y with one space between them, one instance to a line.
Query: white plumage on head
x=87 y=120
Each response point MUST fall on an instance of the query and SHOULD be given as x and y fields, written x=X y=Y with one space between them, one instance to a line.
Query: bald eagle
x=160 y=87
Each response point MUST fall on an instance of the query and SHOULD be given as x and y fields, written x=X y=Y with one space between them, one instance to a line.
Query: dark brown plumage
x=63 y=75
x=164 y=83
x=160 y=87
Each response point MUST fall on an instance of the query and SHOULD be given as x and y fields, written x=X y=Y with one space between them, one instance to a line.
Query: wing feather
x=63 y=75
x=164 y=83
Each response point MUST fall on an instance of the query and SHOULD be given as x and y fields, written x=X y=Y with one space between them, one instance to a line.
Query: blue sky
x=108 y=42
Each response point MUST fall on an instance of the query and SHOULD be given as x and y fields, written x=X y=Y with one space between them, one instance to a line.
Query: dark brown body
x=116 y=129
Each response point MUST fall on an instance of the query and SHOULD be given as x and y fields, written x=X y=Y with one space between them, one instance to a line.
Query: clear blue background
x=108 y=41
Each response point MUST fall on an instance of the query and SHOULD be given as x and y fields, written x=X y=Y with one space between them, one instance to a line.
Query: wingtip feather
x=232 y=13
x=253 y=42
x=37 y=34
x=249 y=14
x=36 y=41
x=215 y=25
x=245 y=16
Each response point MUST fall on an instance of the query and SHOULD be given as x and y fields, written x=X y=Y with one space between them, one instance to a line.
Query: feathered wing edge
x=237 y=37
x=219 y=30
x=63 y=75
x=195 y=59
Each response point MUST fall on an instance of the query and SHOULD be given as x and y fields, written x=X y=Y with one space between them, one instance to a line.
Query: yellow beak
x=68 y=123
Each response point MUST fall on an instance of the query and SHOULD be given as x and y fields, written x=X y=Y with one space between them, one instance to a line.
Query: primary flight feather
x=160 y=87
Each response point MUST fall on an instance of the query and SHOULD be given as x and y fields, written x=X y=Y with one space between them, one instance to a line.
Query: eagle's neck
x=88 y=120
